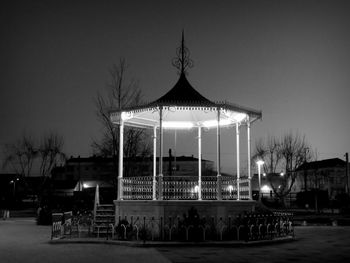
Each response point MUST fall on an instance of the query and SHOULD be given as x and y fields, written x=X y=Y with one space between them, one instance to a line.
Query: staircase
x=104 y=217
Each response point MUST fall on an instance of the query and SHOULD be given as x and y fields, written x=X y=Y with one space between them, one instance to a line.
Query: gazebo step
x=106 y=206
x=103 y=223
x=104 y=216
x=104 y=211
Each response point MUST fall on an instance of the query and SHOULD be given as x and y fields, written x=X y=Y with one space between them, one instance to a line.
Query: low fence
x=194 y=228
x=67 y=225
x=184 y=188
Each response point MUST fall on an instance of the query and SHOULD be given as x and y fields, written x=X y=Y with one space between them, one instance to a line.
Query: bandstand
x=159 y=196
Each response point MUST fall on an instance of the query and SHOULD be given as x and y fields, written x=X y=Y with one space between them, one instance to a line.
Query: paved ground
x=23 y=241
x=313 y=244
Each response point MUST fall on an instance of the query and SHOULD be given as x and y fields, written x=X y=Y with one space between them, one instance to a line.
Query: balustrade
x=184 y=188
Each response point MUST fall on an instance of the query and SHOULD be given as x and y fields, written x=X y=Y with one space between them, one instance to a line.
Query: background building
x=82 y=173
x=325 y=175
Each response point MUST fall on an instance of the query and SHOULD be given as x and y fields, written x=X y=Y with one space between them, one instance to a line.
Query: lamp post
x=14 y=186
x=259 y=163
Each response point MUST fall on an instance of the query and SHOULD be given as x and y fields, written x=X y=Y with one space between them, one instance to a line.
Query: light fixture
x=214 y=123
x=235 y=116
x=177 y=125
x=259 y=163
x=127 y=115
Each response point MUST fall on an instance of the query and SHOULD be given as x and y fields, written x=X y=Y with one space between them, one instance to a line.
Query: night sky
x=290 y=59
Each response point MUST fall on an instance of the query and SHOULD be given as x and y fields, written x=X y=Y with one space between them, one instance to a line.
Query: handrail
x=184 y=187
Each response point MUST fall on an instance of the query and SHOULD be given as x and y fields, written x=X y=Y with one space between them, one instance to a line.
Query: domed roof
x=183 y=106
x=183 y=94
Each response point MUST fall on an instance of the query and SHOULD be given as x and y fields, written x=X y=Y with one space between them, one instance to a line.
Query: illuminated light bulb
x=126 y=115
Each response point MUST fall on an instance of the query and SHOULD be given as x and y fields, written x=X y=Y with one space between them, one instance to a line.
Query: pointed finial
x=182 y=62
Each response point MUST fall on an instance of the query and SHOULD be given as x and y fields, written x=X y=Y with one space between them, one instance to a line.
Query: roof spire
x=182 y=62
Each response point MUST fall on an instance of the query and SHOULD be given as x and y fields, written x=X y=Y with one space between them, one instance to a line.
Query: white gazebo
x=185 y=108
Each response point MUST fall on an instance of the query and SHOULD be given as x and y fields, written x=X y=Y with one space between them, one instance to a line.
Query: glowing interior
x=180 y=117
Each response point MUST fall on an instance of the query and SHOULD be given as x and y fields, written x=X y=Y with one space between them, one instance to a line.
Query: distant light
x=265 y=189
x=13 y=181
x=85 y=185
x=264 y=174
x=177 y=124
x=230 y=188
x=282 y=174
x=260 y=162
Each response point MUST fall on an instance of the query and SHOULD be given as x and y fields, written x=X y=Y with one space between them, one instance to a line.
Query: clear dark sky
x=291 y=59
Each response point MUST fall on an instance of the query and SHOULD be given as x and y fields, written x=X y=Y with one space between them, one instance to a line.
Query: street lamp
x=259 y=163
x=14 y=185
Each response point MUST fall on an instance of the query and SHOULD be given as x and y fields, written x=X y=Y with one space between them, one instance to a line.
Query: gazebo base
x=175 y=210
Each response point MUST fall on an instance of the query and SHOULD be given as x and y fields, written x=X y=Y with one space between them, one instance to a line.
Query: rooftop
x=327 y=163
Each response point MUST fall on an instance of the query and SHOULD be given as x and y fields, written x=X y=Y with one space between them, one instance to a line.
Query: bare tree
x=20 y=155
x=50 y=152
x=269 y=151
x=121 y=93
x=294 y=152
x=284 y=154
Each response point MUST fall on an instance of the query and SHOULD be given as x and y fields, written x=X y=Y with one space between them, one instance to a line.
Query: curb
x=174 y=244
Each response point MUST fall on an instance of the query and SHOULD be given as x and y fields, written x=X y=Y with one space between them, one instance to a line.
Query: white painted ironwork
x=199 y=163
x=249 y=164
x=160 y=179
x=237 y=155
x=185 y=188
x=154 y=193
x=218 y=162
x=121 y=157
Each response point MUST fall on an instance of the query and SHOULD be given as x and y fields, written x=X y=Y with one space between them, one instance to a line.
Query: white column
x=175 y=144
x=199 y=163
x=120 y=163
x=218 y=161
x=259 y=179
x=237 y=160
x=249 y=165
x=160 y=179
x=154 y=189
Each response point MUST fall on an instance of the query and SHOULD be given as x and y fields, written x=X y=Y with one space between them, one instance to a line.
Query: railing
x=248 y=227
x=190 y=227
x=66 y=225
x=137 y=188
x=184 y=188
